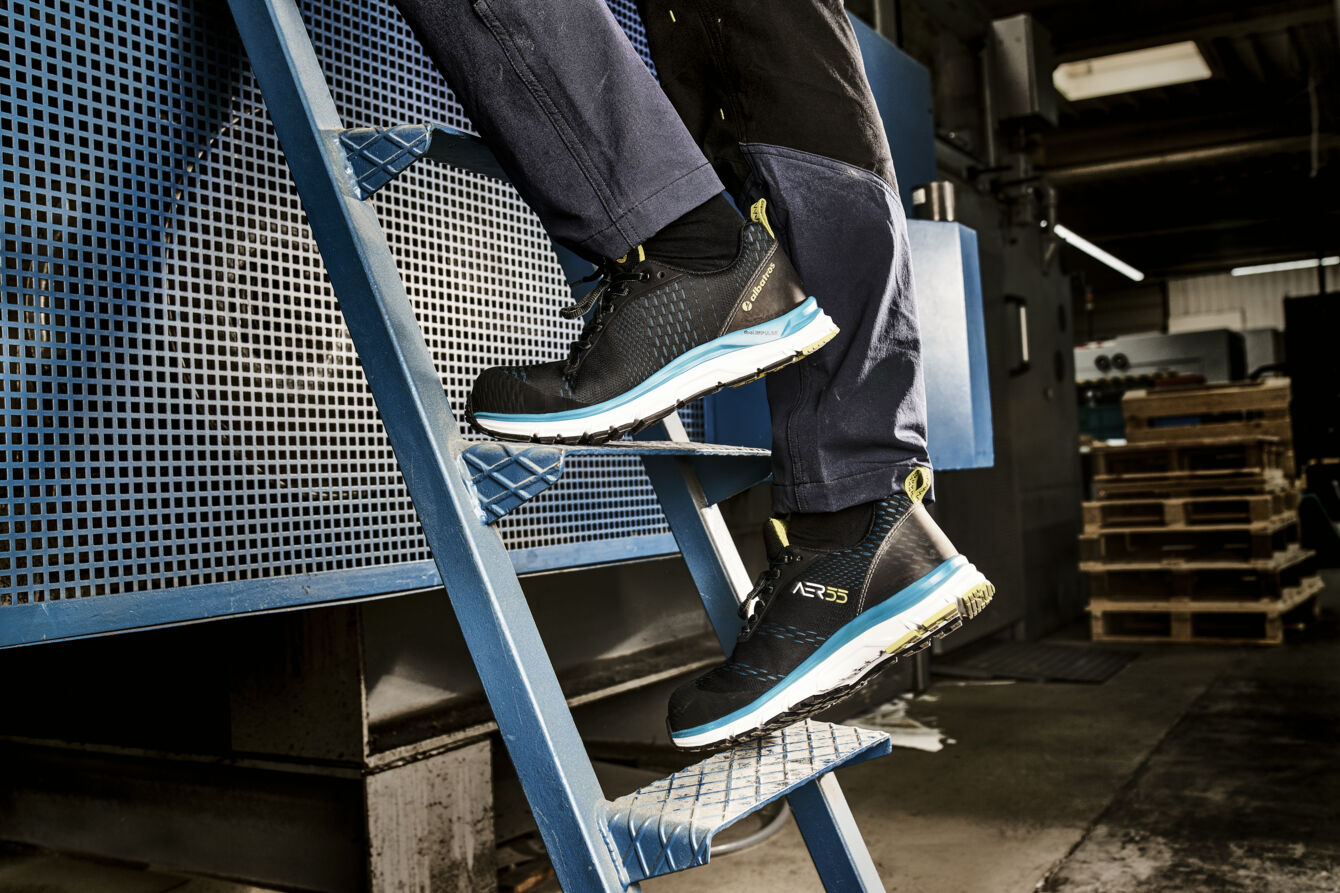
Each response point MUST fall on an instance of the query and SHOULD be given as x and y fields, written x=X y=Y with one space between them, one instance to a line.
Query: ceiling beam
x=1152 y=164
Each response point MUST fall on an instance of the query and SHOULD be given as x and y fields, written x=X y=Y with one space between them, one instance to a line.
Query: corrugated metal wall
x=1260 y=297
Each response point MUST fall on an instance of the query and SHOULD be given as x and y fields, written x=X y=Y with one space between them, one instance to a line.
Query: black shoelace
x=614 y=282
x=756 y=603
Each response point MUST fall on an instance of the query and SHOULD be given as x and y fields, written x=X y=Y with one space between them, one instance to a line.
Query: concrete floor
x=1139 y=784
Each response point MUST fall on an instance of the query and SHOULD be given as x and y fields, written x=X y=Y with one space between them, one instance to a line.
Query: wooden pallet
x=1195 y=511
x=1180 y=545
x=1273 y=423
x=1180 y=486
x=1220 y=622
x=1208 y=457
x=1147 y=412
x=1201 y=581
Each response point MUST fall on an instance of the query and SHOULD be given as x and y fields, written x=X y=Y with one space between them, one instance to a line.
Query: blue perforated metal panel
x=183 y=406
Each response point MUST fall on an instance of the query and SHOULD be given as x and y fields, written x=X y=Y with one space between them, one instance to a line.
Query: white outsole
x=849 y=663
x=738 y=365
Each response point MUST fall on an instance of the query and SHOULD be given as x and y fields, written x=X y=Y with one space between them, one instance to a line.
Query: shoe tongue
x=775 y=537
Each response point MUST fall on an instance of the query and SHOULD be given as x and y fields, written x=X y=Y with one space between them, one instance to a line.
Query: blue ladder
x=460 y=488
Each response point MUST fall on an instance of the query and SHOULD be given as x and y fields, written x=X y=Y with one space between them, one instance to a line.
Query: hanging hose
x=778 y=823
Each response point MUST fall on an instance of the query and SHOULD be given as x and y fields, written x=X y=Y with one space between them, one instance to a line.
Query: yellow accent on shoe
x=902 y=643
x=780 y=529
x=918 y=481
x=759 y=214
x=925 y=628
x=976 y=599
x=723 y=114
x=940 y=619
x=672 y=16
x=641 y=255
x=818 y=344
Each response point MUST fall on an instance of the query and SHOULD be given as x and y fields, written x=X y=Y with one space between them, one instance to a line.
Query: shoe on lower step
x=845 y=594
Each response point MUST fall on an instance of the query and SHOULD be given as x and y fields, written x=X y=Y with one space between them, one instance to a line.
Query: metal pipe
x=771 y=828
x=1169 y=160
x=1051 y=245
x=989 y=105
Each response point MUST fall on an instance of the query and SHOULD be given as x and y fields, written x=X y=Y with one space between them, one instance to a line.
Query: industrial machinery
x=1105 y=370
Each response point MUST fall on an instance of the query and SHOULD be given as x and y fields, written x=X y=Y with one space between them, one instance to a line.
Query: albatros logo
x=753 y=295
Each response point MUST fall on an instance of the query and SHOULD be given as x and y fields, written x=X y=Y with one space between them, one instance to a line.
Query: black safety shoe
x=658 y=338
x=844 y=594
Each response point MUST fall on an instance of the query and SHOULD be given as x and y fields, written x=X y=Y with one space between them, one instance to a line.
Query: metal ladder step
x=505 y=475
x=378 y=156
x=668 y=825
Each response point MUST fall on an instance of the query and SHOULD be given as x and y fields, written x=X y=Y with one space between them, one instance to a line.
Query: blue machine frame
x=902 y=89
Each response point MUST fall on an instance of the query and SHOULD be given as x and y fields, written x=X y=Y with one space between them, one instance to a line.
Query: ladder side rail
x=701 y=534
x=835 y=843
x=504 y=643
x=822 y=814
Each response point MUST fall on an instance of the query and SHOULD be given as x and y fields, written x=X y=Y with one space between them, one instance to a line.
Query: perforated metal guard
x=668 y=825
x=183 y=404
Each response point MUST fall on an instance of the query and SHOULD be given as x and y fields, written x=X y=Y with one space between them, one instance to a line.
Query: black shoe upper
x=822 y=577
x=644 y=315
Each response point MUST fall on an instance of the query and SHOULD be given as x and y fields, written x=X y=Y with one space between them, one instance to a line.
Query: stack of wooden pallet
x=1194 y=534
x=1209 y=411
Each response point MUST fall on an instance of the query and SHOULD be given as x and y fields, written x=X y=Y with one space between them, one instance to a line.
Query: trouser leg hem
x=835 y=495
x=653 y=213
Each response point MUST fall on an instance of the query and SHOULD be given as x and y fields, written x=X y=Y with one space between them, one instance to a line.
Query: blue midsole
x=763 y=333
x=885 y=610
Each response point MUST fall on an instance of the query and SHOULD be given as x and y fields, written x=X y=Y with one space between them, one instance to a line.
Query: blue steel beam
x=485 y=594
x=710 y=553
x=821 y=811
x=834 y=841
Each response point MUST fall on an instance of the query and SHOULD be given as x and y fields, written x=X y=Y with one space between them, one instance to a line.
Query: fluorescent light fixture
x=1071 y=237
x=1174 y=63
x=1286 y=265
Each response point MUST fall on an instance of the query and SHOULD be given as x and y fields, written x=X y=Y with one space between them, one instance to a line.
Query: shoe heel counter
x=930 y=533
x=774 y=290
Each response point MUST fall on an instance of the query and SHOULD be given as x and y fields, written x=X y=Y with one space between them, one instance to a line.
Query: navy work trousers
x=765 y=100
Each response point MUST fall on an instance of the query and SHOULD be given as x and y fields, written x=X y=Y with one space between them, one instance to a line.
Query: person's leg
x=777 y=97
x=859 y=573
x=605 y=168
x=593 y=145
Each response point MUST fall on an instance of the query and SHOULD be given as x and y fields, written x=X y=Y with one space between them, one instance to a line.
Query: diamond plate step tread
x=668 y=825
x=378 y=156
x=504 y=475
